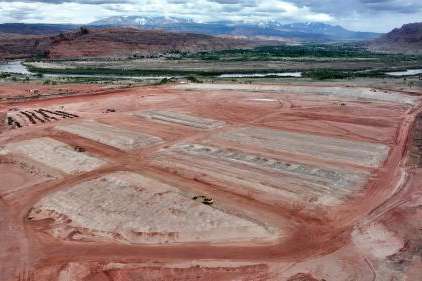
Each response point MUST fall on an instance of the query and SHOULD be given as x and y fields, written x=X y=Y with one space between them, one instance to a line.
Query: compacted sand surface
x=211 y=182
x=120 y=138
x=183 y=119
x=55 y=154
x=132 y=208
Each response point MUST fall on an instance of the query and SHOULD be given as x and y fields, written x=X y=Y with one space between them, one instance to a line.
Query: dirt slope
x=407 y=39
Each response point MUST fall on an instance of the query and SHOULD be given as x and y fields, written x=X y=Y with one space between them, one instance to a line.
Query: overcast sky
x=364 y=15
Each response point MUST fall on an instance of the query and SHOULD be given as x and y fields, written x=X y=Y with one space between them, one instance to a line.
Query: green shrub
x=193 y=79
x=325 y=74
x=164 y=81
x=5 y=75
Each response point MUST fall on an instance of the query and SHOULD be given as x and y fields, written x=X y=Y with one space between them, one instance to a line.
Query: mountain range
x=36 y=28
x=311 y=31
x=272 y=30
x=144 y=36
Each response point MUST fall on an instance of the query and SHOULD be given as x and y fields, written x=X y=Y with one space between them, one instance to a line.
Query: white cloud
x=202 y=10
x=366 y=15
x=50 y=13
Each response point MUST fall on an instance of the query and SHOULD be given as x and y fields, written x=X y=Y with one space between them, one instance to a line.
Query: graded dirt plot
x=260 y=174
x=56 y=155
x=322 y=147
x=328 y=93
x=182 y=119
x=132 y=208
x=120 y=138
x=379 y=129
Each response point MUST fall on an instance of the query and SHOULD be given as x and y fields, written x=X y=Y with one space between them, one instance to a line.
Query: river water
x=408 y=72
x=259 y=75
x=17 y=67
x=109 y=76
x=14 y=67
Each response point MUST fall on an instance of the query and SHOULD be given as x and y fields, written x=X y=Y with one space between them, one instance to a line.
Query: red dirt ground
x=322 y=243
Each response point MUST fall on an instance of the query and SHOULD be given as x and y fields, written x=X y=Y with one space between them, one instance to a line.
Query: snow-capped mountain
x=312 y=31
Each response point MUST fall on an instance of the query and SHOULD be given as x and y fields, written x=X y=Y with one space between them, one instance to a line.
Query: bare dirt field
x=14 y=90
x=114 y=136
x=212 y=182
x=183 y=119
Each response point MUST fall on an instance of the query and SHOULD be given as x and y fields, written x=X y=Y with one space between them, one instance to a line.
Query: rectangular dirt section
x=272 y=176
x=55 y=154
x=322 y=147
x=120 y=138
x=328 y=93
x=134 y=208
x=182 y=119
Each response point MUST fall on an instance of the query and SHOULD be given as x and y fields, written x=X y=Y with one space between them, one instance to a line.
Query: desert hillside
x=114 y=42
x=16 y=46
x=123 y=42
x=407 y=39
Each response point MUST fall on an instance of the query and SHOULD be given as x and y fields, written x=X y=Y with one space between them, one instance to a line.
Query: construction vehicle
x=204 y=199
